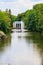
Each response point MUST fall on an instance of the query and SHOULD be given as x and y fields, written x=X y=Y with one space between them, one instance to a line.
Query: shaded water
x=23 y=48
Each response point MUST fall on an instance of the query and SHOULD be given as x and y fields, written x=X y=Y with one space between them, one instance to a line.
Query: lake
x=22 y=48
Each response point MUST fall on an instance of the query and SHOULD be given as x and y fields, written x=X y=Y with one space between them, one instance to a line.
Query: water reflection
x=5 y=46
x=22 y=48
x=37 y=39
x=4 y=43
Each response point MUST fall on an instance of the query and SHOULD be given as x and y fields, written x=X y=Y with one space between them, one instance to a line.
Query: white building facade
x=18 y=24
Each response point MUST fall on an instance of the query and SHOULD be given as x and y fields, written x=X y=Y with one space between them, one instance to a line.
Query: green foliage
x=33 y=18
x=31 y=22
x=39 y=11
x=4 y=22
x=19 y=17
x=14 y=18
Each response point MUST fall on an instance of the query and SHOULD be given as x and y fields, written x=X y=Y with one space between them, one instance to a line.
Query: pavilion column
x=18 y=26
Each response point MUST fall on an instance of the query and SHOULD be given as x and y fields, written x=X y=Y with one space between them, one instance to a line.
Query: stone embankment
x=2 y=35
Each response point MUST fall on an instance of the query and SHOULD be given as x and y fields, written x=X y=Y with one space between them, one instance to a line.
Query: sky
x=18 y=6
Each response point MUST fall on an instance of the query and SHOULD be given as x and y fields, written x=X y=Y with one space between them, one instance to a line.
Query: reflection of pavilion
x=18 y=25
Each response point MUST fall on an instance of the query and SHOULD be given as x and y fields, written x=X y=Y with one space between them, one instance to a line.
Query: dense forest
x=33 y=18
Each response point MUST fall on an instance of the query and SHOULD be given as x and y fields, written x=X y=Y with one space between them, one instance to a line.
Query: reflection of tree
x=37 y=39
x=4 y=43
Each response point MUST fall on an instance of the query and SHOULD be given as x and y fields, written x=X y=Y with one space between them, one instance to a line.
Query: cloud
x=36 y=0
x=7 y=0
x=18 y=6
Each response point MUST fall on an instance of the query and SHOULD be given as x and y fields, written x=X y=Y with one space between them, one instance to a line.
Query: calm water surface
x=22 y=48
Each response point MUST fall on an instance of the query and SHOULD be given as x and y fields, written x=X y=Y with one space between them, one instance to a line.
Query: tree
x=33 y=18
x=4 y=22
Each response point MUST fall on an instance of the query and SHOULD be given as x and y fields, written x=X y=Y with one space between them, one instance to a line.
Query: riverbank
x=2 y=35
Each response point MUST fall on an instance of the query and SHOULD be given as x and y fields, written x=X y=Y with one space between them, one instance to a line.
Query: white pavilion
x=18 y=25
